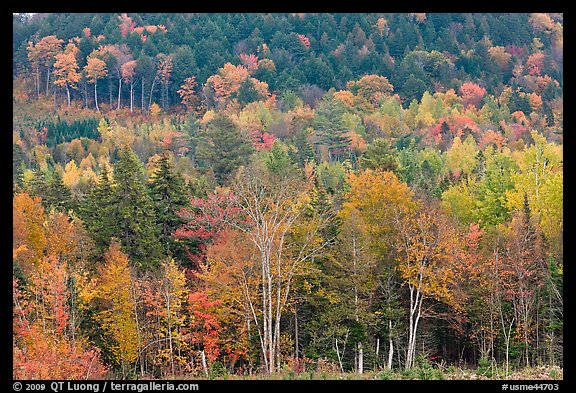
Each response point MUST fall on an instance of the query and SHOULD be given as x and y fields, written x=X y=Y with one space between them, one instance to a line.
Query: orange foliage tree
x=95 y=69
x=472 y=94
x=66 y=69
x=189 y=95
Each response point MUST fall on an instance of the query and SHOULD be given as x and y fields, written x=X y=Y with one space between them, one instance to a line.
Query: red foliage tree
x=262 y=140
x=205 y=327
x=304 y=40
x=127 y=25
x=205 y=221
x=249 y=61
x=535 y=63
x=472 y=94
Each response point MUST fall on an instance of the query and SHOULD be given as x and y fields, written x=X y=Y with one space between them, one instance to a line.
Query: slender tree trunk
x=271 y=343
x=507 y=340
x=360 y=351
x=119 y=91
x=142 y=96
x=47 y=80
x=264 y=315
x=54 y=100
x=339 y=357
x=131 y=96
x=170 y=331
x=38 y=82
x=390 y=345
x=110 y=92
x=86 y=93
x=296 y=331
x=151 y=91
x=204 y=365
x=138 y=330
x=96 y=93
x=360 y=358
x=415 y=312
x=68 y=94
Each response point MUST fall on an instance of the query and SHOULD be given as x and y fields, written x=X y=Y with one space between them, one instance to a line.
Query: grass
x=423 y=372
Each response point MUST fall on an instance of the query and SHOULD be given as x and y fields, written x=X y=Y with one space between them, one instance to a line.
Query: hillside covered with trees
x=283 y=195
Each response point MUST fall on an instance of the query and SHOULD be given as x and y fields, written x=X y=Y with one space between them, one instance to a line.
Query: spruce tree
x=222 y=148
x=380 y=155
x=38 y=185
x=58 y=196
x=96 y=211
x=168 y=195
x=132 y=211
x=330 y=128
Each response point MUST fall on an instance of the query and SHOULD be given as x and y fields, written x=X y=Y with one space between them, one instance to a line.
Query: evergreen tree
x=132 y=212
x=96 y=210
x=58 y=196
x=222 y=148
x=380 y=155
x=38 y=185
x=18 y=165
x=168 y=195
x=330 y=128
x=304 y=150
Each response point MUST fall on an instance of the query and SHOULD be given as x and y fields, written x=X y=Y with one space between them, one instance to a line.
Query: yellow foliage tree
x=118 y=317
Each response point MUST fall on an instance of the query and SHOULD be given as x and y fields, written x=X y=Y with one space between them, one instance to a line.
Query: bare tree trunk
x=119 y=91
x=360 y=351
x=151 y=91
x=415 y=313
x=68 y=94
x=507 y=339
x=167 y=294
x=96 y=93
x=86 y=93
x=138 y=330
x=265 y=320
x=296 y=331
x=47 y=80
x=271 y=342
x=131 y=97
x=390 y=344
x=204 y=365
x=360 y=358
x=339 y=357
x=38 y=82
x=142 y=97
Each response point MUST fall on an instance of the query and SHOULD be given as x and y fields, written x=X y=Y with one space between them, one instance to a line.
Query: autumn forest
x=287 y=196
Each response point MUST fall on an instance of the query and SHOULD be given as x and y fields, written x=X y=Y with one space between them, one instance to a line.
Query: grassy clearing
x=418 y=373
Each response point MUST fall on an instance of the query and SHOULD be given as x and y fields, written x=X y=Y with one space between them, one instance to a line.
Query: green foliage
x=380 y=155
x=167 y=192
x=57 y=196
x=96 y=211
x=424 y=369
x=222 y=148
x=484 y=368
x=330 y=128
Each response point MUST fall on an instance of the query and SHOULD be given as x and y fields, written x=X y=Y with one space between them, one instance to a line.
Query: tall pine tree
x=168 y=195
x=96 y=211
x=132 y=212
x=330 y=129
x=58 y=196
x=222 y=148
